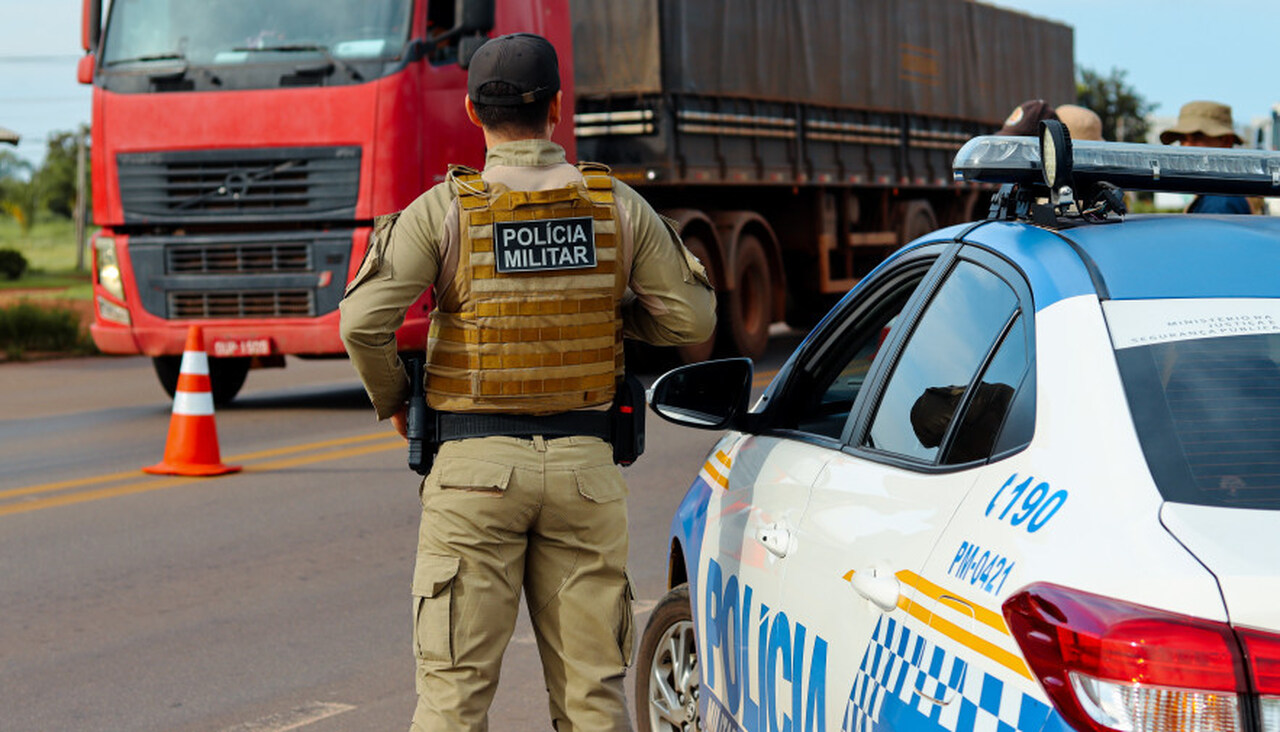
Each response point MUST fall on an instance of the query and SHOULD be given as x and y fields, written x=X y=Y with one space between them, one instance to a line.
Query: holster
x=422 y=429
x=626 y=421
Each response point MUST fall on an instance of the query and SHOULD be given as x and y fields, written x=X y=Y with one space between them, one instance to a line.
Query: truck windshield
x=1202 y=378
x=227 y=32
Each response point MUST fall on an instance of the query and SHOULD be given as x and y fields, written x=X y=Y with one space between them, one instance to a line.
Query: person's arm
x=401 y=264
x=675 y=303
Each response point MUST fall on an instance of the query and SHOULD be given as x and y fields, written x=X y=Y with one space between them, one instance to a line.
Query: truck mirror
x=90 y=26
x=474 y=16
x=84 y=69
x=467 y=48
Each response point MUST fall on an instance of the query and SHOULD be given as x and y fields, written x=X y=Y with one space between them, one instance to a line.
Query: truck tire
x=667 y=672
x=751 y=300
x=699 y=351
x=226 y=376
x=915 y=219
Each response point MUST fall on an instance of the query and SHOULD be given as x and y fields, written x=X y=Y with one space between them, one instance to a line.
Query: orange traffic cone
x=192 y=448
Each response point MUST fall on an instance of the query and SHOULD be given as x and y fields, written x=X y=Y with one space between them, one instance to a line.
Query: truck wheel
x=916 y=218
x=751 y=301
x=668 y=674
x=699 y=351
x=226 y=376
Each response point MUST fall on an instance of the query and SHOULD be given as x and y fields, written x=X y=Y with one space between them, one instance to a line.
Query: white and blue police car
x=1025 y=476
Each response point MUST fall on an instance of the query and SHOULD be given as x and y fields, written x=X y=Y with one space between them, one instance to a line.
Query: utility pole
x=81 y=202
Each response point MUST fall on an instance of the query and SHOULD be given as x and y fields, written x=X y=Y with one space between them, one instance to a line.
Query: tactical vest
x=532 y=321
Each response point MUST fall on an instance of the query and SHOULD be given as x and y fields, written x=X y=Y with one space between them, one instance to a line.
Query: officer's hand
x=400 y=420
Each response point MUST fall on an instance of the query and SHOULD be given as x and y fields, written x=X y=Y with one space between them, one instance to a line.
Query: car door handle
x=882 y=590
x=776 y=538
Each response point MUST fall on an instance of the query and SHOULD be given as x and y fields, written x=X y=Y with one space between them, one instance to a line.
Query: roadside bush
x=26 y=326
x=12 y=264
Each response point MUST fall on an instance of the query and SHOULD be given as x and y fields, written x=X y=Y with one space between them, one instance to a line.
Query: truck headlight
x=108 y=266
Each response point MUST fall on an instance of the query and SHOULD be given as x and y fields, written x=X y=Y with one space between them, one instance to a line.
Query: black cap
x=526 y=61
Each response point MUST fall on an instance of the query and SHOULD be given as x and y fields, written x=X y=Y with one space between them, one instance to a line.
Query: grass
x=26 y=326
x=50 y=249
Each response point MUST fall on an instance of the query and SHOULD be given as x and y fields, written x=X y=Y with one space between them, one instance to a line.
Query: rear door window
x=832 y=369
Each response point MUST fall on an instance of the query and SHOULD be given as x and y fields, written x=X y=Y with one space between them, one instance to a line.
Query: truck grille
x=238 y=258
x=259 y=275
x=259 y=184
x=246 y=304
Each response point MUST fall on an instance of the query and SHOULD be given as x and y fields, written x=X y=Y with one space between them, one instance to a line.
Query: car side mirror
x=710 y=395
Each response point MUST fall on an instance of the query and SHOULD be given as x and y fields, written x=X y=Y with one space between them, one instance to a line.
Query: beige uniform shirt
x=673 y=301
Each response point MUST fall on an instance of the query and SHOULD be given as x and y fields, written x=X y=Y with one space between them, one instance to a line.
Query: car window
x=988 y=403
x=1206 y=410
x=822 y=395
x=956 y=332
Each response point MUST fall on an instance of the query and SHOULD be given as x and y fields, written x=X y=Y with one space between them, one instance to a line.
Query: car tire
x=667 y=671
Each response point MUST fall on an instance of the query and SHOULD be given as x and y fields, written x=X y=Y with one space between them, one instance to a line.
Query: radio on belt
x=544 y=245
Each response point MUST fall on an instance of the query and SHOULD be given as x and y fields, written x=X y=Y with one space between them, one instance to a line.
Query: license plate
x=242 y=347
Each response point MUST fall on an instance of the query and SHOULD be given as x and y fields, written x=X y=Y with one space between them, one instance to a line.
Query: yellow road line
x=95 y=479
x=763 y=378
x=308 y=459
x=152 y=485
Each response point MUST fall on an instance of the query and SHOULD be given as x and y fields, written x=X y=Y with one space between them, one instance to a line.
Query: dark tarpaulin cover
x=951 y=58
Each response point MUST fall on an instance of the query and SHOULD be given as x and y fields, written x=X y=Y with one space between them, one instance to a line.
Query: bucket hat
x=1207 y=118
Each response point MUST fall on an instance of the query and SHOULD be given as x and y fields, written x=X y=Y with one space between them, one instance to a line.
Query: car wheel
x=668 y=674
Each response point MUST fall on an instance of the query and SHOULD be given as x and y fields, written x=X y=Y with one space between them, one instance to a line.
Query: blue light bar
x=1000 y=159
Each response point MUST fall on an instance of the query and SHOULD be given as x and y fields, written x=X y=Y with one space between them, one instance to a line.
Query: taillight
x=1113 y=665
x=1262 y=652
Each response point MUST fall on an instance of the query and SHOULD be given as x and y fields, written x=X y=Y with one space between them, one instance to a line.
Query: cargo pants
x=547 y=515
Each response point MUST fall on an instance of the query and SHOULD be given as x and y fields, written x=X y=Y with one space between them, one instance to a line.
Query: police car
x=1026 y=476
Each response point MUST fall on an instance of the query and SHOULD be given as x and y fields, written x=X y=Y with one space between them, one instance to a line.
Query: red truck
x=241 y=149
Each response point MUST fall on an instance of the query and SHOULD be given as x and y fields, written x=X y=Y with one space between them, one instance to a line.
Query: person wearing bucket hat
x=1207 y=124
x=1203 y=124
x=540 y=268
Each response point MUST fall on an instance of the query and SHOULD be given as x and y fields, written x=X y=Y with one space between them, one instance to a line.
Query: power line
x=39 y=58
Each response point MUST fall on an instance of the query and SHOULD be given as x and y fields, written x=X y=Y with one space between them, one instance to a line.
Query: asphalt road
x=268 y=600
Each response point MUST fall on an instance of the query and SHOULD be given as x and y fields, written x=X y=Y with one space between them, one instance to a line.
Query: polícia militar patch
x=544 y=245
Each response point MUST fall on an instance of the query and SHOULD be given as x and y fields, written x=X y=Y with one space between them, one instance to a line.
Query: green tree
x=56 y=179
x=1122 y=109
x=17 y=192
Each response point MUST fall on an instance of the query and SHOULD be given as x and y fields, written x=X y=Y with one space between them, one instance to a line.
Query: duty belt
x=461 y=426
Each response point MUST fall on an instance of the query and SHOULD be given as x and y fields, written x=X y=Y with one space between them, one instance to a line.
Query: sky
x=1173 y=51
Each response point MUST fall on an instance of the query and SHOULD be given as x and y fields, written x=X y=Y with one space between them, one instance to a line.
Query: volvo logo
x=236 y=184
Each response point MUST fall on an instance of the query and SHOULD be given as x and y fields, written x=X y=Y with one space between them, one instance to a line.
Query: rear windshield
x=1203 y=382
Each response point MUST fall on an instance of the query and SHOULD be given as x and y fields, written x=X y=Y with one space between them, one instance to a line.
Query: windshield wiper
x=176 y=69
x=166 y=56
x=304 y=48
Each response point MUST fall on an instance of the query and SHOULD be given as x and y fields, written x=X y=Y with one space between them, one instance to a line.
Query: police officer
x=540 y=269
